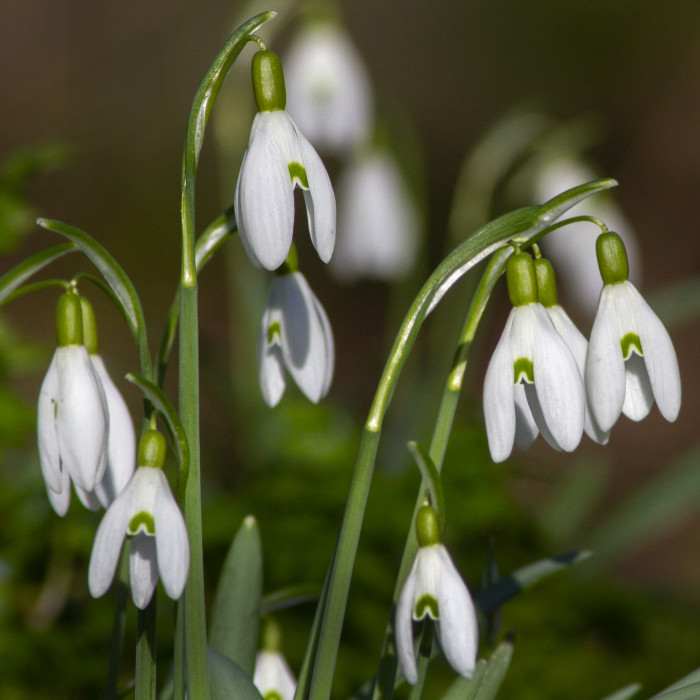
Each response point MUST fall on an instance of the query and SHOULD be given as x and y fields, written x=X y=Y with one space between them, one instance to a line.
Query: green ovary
x=631 y=343
x=426 y=605
x=522 y=369
x=298 y=174
x=143 y=522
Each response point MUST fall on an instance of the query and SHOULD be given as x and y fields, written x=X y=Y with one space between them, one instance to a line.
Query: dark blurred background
x=113 y=83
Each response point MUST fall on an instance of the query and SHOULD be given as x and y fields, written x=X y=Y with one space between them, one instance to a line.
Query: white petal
x=108 y=543
x=242 y=235
x=605 y=368
x=271 y=370
x=499 y=411
x=121 y=441
x=639 y=397
x=659 y=357
x=88 y=498
x=403 y=627
x=265 y=203
x=558 y=383
x=272 y=674
x=60 y=501
x=143 y=569
x=458 y=629
x=49 y=456
x=81 y=420
x=171 y=541
x=535 y=407
x=526 y=430
x=307 y=338
x=320 y=201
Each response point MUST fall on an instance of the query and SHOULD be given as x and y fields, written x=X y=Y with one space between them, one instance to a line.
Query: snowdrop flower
x=279 y=159
x=573 y=249
x=532 y=382
x=574 y=339
x=435 y=589
x=296 y=337
x=631 y=360
x=330 y=95
x=146 y=512
x=378 y=221
x=72 y=419
x=272 y=676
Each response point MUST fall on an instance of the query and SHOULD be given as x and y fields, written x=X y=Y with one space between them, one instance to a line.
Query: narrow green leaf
x=495 y=671
x=215 y=235
x=172 y=421
x=110 y=269
x=15 y=277
x=691 y=680
x=509 y=586
x=228 y=680
x=431 y=480
x=235 y=616
x=467 y=688
x=289 y=598
x=686 y=692
x=652 y=511
x=625 y=693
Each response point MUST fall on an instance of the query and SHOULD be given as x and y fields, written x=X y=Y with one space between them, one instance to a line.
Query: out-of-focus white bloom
x=329 y=92
x=631 y=360
x=572 y=248
x=147 y=513
x=435 y=589
x=279 y=159
x=296 y=337
x=378 y=221
x=273 y=677
x=72 y=425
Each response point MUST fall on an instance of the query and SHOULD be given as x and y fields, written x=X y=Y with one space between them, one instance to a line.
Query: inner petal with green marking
x=631 y=343
x=273 y=330
x=272 y=695
x=142 y=522
x=426 y=605
x=298 y=174
x=523 y=371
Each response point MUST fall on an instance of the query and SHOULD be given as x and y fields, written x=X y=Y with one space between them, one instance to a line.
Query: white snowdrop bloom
x=631 y=360
x=531 y=351
x=296 y=337
x=272 y=676
x=147 y=513
x=378 y=221
x=434 y=589
x=279 y=159
x=72 y=419
x=572 y=248
x=329 y=89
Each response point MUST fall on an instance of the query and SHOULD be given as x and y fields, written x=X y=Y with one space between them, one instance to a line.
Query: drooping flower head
x=279 y=159
x=532 y=383
x=296 y=337
x=631 y=361
x=72 y=418
x=434 y=589
x=272 y=676
x=147 y=514
x=378 y=220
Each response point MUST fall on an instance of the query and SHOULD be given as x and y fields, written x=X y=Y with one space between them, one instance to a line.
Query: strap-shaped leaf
x=217 y=233
x=687 y=687
x=509 y=586
x=235 y=616
x=110 y=269
x=172 y=421
x=18 y=275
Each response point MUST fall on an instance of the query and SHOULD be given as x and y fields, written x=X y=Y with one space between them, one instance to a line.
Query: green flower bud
x=427 y=527
x=89 y=326
x=291 y=264
x=69 y=320
x=268 y=81
x=521 y=278
x=612 y=258
x=546 y=283
x=151 y=449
